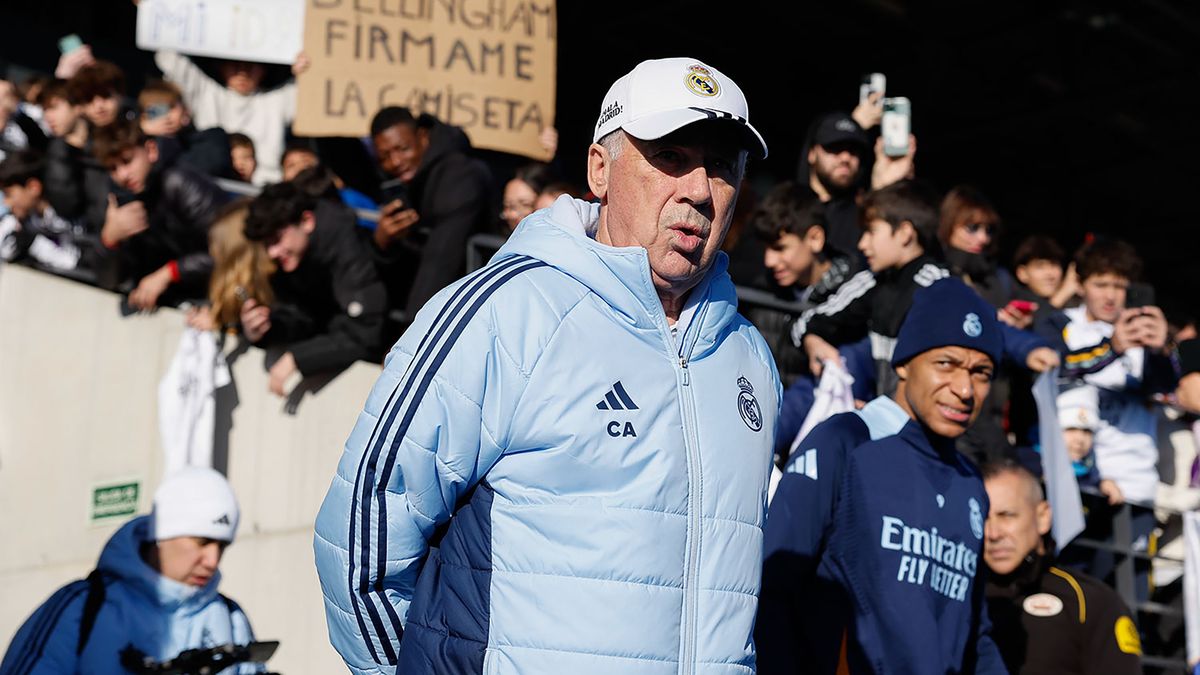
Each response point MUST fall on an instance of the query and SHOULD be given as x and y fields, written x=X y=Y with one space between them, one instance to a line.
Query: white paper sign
x=268 y=31
x=1062 y=489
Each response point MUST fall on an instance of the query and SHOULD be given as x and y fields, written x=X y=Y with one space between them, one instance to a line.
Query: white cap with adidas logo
x=195 y=502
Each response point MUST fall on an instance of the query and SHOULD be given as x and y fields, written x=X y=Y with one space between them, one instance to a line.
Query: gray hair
x=614 y=141
x=1008 y=466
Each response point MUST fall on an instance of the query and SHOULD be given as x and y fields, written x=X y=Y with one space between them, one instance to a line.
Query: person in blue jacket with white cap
x=154 y=590
x=872 y=561
x=563 y=466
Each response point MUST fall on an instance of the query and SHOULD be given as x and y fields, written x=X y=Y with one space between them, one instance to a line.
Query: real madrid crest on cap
x=701 y=81
x=748 y=405
x=972 y=326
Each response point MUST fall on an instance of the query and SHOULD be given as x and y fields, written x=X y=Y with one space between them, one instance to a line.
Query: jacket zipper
x=692 y=445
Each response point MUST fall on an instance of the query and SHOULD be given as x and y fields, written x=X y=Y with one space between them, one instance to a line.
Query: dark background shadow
x=1074 y=116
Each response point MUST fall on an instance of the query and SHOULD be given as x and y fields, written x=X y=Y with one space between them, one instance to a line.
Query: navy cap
x=948 y=313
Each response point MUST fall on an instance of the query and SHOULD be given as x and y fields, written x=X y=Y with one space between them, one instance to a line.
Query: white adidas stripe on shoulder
x=929 y=273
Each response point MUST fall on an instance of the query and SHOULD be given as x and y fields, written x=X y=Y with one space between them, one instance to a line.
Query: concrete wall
x=78 y=387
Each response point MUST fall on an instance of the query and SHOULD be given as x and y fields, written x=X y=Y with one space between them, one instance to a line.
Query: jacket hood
x=563 y=235
x=121 y=559
x=444 y=139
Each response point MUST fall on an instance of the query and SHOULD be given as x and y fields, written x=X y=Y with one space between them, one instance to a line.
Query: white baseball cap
x=1079 y=408
x=195 y=502
x=660 y=96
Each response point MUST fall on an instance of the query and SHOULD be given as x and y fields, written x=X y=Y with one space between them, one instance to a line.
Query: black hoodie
x=451 y=192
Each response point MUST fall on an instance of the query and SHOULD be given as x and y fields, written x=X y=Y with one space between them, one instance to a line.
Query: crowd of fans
x=124 y=192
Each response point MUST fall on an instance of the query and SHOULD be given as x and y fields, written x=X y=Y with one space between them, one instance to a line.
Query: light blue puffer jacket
x=158 y=616
x=545 y=480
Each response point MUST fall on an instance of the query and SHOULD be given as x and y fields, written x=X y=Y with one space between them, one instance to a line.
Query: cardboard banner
x=487 y=66
x=268 y=31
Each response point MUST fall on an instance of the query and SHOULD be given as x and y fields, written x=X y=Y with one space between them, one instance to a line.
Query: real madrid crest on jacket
x=875 y=539
x=547 y=478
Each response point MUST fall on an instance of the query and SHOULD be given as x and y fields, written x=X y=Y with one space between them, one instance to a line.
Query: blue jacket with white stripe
x=874 y=553
x=548 y=479
x=141 y=609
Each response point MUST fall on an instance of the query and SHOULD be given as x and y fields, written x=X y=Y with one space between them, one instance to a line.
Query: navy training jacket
x=873 y=554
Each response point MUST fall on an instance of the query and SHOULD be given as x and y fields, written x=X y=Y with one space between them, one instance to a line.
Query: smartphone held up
x=874 y=83
x=896 y=126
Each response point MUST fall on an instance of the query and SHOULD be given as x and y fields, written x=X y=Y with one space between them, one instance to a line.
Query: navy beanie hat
x=948 y=312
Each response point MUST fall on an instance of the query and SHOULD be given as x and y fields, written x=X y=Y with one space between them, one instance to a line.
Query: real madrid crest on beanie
x=948 y=313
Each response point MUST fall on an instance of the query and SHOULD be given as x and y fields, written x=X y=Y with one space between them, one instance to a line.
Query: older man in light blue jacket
x=563 y=467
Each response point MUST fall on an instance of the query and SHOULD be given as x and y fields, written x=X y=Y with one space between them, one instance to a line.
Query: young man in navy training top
x=873 y=540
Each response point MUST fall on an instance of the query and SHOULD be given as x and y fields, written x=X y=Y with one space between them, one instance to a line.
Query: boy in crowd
x=18 y=131
x=165 y=118
x=1079 y=415
x=160 y=237
x=790 y=222
x=300 y=156
x=75 y=183
x=154 y=589
x=873 y=541
x=241 y=155
x=1038 y=266
x=899 y=241
x=1118 y=350
x=237 y=104
x=99 y=89
x=32 y=228
x=329 y=304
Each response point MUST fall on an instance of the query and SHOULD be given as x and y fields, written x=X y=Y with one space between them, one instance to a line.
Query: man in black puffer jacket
x=438 y=195
x=158 y=239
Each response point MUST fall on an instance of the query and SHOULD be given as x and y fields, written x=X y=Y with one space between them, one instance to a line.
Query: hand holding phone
x=1017 y=313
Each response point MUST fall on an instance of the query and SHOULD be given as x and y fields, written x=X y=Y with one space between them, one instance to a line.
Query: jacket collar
x=563 y=235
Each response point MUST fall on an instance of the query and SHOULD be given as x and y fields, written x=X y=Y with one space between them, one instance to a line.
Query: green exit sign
x=118 y=500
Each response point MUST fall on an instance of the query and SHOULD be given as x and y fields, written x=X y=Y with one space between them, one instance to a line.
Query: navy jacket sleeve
x=793 y=539
x=1018 y=343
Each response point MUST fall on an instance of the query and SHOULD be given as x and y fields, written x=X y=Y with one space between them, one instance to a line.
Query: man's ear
x=423 y=137
x=902 y=371
x=812 y=155
x=152 y=150
x=907 y=233
x=308 y=222
x=598 y=166
x=1044 y=517
x=1022 y=274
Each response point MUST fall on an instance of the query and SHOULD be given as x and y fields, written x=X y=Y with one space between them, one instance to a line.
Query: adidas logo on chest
x=618 y=399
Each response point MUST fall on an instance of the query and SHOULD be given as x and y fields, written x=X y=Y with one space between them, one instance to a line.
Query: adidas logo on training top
x=617 y=399
x=805 y=464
